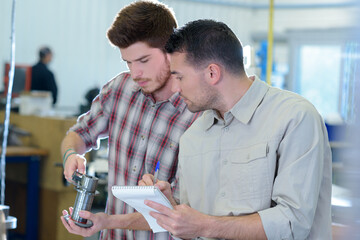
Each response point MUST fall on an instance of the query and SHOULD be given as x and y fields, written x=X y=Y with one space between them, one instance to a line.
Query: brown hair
x=147 y=21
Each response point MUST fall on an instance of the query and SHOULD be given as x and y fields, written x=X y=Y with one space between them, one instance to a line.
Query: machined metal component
x=85 y=185
x=10 y=222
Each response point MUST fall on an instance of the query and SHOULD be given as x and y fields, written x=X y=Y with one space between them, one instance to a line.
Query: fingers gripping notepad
x=135 y=196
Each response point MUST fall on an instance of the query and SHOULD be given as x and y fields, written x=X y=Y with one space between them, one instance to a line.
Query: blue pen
x=156 y=171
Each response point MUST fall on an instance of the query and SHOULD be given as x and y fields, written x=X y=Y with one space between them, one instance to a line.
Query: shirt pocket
x=165 y=150
x=162 y=146
x=249 y=173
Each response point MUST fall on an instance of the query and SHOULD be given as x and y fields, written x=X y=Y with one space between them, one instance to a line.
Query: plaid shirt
x=141 y=132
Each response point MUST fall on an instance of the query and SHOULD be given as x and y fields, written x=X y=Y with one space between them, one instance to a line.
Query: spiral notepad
x=135 y=196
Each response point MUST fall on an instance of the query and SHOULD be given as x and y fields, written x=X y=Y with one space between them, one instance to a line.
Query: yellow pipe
x=270 y=43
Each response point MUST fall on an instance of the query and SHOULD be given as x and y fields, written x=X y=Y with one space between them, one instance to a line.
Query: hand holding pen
x=164 y=186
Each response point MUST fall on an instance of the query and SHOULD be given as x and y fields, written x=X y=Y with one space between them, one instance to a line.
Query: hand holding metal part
x=85 y=185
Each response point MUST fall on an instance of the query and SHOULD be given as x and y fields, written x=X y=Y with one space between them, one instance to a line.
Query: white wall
x=76 y=31
x=83 y=58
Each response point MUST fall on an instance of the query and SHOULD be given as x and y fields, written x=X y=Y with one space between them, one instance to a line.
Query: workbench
x=31 y=156
x=54 y=194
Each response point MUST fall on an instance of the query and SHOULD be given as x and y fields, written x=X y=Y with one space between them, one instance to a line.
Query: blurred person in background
x=42 y=78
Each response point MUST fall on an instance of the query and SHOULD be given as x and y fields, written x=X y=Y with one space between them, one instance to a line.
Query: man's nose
x=175 y=87
x=136 y=71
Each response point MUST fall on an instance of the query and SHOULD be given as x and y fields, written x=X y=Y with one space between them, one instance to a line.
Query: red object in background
x=22 y=79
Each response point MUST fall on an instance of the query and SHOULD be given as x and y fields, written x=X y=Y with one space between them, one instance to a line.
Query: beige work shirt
x=269 y=155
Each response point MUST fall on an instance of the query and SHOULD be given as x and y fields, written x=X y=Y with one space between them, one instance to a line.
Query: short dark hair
x=43 y=52
x=206 y=40
x=146 y=21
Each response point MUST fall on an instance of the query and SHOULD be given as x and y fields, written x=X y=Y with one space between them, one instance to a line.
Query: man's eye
x=179 y=78
x=144 y=61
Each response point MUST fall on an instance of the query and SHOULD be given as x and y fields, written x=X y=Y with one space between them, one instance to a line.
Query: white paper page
x=135 y=196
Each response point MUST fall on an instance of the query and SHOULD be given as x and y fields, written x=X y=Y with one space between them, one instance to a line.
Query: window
x=318 y=62
x=319 y=76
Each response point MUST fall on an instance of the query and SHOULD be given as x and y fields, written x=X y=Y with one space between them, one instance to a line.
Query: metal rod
x=8 y=104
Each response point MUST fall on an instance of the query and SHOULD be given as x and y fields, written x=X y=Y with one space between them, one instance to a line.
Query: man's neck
x=233 y=92
x=164 y=93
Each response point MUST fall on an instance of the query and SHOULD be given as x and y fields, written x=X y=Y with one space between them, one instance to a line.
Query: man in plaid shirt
x=142 y=118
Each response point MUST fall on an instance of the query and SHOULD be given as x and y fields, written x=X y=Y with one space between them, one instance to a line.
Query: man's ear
x=213 y=73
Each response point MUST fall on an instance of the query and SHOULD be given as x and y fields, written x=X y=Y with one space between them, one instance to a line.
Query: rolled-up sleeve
x=94 y=124
x=296 y=189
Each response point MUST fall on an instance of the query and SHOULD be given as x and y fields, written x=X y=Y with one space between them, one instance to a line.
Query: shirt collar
x=211 y=117
x=245 y=108
x=177 y=102
x=174 y=99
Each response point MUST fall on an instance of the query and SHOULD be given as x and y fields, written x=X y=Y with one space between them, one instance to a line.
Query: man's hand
x=147 y=180
x=74 y=162
x=99 y=223
x=182 y=221
x=164 y=187
x=72 y=144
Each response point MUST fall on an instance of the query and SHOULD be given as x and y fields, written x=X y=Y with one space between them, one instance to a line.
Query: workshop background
x=315 y=46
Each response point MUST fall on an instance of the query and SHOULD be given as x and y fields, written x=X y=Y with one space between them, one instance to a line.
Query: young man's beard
x=161 y=80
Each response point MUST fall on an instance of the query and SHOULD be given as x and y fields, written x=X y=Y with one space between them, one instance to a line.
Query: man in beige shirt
x=257 y=164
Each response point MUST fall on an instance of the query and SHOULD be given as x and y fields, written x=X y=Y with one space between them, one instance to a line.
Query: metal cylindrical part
x=10 y=222
x=86 y=188
x=89 y=183
x=5 y=210
x=83 y=201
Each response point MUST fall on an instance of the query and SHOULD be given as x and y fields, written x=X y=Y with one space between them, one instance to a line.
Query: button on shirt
x=141 y=132
x=270 y=154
